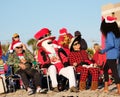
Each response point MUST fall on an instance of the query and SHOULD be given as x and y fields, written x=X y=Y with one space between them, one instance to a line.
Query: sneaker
x=55 y=89
x=30 y=91
x=39 y=90
x=74 y=89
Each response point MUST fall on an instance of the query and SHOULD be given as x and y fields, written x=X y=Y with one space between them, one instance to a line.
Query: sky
x=26 y=17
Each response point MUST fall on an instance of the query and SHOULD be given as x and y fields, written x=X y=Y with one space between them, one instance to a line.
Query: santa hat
x=110 y=19
x=42 y=35
x=17 y=44
x=63 y=31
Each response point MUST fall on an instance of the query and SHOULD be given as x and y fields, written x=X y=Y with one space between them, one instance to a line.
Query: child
x=15 y=38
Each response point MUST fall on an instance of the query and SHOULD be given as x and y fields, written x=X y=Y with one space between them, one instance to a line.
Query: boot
x=94 y=85
x=82 y=86
x=106 y=87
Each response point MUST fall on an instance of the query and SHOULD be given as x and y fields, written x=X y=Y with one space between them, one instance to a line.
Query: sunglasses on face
x=19 y=47
x=16 y=37
x=75 y=44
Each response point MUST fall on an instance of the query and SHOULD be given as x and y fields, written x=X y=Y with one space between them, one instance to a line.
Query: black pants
x=111 y=64
x=30 y=73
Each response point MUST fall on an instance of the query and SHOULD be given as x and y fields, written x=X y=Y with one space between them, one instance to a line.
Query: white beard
x=49 y=47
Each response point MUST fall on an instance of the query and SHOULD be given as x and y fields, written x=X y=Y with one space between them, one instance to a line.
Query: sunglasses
x=75 y=44
x=19 y=47
x=16 y=37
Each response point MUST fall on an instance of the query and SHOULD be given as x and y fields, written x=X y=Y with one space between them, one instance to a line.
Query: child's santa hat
x=16 y=44
x=42 y=35
x=110 y=19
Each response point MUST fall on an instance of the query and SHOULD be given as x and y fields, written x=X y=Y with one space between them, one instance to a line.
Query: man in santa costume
x=52 y=56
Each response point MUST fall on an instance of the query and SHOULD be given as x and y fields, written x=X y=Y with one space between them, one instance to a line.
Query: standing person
x=110 y=30
x=79 y=59
x=82 y=41
x=21 y=59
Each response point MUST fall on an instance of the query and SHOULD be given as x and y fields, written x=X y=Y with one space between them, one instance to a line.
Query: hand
x=22 y=66
x=23 y=60
x=24 y=46
x=75 y=64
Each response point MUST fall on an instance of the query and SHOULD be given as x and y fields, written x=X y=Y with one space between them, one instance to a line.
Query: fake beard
x=50 y=47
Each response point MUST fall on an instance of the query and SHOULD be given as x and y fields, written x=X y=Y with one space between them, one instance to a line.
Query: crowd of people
x=66 y=56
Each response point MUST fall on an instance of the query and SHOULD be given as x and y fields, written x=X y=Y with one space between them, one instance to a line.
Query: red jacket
x=78 y=57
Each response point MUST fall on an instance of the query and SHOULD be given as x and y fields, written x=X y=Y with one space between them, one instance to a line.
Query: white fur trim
x=17 y=44
x=63 y=34
x=108 y=21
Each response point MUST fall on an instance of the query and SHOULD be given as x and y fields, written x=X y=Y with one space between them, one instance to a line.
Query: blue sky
x=26 y=17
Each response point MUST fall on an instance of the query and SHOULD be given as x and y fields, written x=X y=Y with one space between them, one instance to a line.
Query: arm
x=109 y=43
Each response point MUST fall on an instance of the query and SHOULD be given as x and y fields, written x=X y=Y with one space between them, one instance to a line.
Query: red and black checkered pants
x=85 y=71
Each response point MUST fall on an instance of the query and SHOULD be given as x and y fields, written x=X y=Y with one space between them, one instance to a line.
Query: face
x=16 y=38
x=76 y=46
x=19 y=49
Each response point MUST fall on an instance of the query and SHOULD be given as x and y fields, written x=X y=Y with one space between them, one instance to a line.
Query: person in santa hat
x=110 y=30
x=15 y=38
x=64 y=39
x=54 y=58
x=22 y=62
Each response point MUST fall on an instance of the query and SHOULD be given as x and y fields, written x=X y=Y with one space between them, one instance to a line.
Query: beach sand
x=85 y=93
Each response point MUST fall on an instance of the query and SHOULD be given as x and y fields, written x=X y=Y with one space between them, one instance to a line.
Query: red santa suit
x=54 y=58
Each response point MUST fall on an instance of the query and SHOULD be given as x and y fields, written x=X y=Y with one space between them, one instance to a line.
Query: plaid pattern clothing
x=79 y=57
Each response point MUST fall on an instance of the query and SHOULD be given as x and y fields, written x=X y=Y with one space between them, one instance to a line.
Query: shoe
x=30 y=91
x=39 y=90
x=55 y=89
x=74 y=89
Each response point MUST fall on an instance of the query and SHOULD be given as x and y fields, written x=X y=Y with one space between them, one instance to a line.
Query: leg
x=94 y=73
x=24 y=77
x=106 y=76
x=53 y=75
x=113 y=67
x=71 y=77
x=83 y=76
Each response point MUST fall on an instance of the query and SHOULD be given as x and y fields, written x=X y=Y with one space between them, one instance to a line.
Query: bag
x=13 y=83
x=62 y=83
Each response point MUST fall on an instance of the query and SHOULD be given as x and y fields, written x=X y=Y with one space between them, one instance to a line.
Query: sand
x=85 y=93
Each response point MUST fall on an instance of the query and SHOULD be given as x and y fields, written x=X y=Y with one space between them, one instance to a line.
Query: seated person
x=50 y=53
x=79 y=59
x=21 y=59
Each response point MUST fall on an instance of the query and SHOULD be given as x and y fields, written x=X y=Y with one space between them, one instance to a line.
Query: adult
x=110 y=30
x=21 y=60
x=53 y=57
x=64 y=39
x=79 y=59
x=82 y=41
